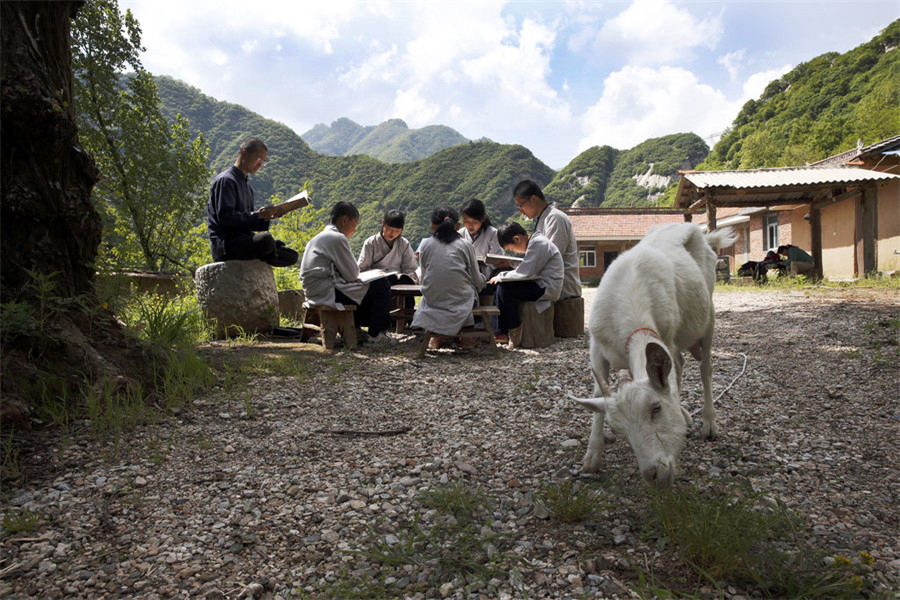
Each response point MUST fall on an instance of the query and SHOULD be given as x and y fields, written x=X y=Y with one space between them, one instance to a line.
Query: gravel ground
x=267 y=493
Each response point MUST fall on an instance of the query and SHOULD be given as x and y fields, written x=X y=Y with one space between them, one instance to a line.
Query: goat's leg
x=593 y=457
x=709 y=430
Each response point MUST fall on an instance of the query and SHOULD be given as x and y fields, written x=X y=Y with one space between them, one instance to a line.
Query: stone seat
x=238 y=297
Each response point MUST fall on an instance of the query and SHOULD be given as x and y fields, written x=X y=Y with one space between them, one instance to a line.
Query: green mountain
x=820 y=108
x=391 y=142
x=484 y=170
x=604 y=176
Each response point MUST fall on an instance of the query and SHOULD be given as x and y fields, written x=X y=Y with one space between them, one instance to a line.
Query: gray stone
x=290 y=304
x=238 y=296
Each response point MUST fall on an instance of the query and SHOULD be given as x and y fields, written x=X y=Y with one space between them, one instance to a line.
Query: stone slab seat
x=485 y=312
x=568 y=317
x=238 y=296
x=329 y=321
x=537 y=328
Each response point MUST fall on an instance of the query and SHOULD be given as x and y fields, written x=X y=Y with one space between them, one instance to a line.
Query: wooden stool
x=568 y=317
x=485 y=312
x=537 y=328
x=328 y=321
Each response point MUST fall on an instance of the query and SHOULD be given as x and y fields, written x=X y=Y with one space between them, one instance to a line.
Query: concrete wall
x=888 y=244
x=838 y=240
x=800 y=232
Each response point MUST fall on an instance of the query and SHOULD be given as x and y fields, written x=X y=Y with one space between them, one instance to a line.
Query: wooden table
x=400 y=313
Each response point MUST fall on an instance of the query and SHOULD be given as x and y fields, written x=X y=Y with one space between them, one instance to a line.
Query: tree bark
x=47 y=220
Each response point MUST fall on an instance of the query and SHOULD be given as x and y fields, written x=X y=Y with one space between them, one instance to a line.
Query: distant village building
x=844 y=210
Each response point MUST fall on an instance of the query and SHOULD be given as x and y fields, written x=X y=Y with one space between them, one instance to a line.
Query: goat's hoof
x=609 y=437
x=709 y=431
x=592 y=461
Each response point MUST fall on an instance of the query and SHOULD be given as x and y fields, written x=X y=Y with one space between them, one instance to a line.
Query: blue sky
x=557 y=77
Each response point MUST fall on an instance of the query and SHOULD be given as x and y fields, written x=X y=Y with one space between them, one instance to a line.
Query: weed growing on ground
x=19 y=522
x=569 y=502
x=733 y=534
x=10 y=469
x=801 y=282
x=456 y=545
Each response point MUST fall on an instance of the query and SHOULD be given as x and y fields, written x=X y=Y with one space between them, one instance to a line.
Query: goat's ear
x=592 y=404
x=658 y=366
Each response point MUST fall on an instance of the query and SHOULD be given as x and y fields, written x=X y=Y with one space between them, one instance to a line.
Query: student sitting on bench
x=538 y=278
x=390 y=251
x=329 y=273
x=450 y=278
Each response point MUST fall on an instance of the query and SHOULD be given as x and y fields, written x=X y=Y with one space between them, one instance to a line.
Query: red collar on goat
x=647 y=329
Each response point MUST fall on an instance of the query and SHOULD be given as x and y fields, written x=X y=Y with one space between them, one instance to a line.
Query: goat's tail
x=721 y=238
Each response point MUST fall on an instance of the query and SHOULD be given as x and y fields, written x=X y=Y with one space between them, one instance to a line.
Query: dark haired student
x=390 y=251
x=232 y=220
x=478 y=231
x=538 y=278
x=450 y=277
x=329 y=273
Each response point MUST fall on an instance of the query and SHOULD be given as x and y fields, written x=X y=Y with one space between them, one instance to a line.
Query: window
x=770 y=232
x=587 y=257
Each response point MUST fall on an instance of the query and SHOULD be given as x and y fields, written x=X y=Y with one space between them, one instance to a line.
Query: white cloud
x=756 y=83
x=657 y=32
x=413 y=107
x=640 y=102
x=732 y=62
x=249 y=46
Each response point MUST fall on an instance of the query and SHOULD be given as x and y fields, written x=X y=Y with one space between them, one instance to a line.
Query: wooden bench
x=328 y=322
x=485 y=312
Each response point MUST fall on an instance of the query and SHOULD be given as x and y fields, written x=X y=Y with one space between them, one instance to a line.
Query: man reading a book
x=237 y=231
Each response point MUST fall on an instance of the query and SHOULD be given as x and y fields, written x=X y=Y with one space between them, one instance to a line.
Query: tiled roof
x=619 y=225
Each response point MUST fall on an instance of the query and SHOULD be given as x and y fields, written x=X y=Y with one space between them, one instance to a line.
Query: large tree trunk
x=50 y=227
x=48 y=222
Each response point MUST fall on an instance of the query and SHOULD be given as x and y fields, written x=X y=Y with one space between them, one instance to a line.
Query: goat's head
x=648 y=414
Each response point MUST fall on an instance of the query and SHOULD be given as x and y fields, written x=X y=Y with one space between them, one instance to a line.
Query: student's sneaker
x=435 y=343
x=501 y=338
x=515 y=337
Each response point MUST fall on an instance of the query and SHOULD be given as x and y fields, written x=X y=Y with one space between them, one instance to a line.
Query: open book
x=499 y=259
x=373 y=274
x=292 y=203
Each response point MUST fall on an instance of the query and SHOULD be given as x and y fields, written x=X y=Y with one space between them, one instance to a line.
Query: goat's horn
x=592 y=404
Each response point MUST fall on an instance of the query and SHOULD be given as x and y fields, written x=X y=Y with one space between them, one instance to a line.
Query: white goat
x=654 y=302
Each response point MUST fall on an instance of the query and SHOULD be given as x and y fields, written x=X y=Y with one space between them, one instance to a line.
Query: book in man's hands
x=292 y=203
x=371 y=275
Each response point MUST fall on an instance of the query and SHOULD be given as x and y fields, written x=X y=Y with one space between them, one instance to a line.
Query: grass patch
x=569 y=502
x=738 y=536
x=456 y=545
x=801 y=282
x=19 y=522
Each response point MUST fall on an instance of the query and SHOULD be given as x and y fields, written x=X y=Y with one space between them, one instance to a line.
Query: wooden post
x=815 y=234
x=710 y=216
x=568 y=317
x=537 y=328
x=869 y=205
